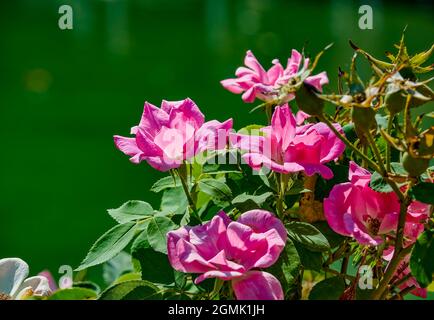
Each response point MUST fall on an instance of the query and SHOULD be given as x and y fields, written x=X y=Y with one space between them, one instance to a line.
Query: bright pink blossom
x=285 y=147
x=232 y=250
x=167 y=136
x=255 y=82
x=354 y=209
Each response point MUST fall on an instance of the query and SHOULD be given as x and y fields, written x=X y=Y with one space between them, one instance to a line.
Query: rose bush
x=284 y=209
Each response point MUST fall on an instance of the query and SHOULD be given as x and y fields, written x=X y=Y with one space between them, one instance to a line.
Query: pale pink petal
x=152 y=119
x=213 y=135
x=232 y=85
x=336 y=205
x=223 y=275
x=185 y=111
x=300 y=117
x=358 y=175
x=251 y=62
x=293 y=63
x=129 y=147
x=257 y=285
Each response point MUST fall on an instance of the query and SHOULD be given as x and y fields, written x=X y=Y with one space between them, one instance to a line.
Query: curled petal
x=257 y=285
x=317 y=81
x=129 y=147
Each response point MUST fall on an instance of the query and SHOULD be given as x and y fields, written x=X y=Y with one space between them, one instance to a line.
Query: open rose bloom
x=232 y=250
x=287 y=147
x=255 y=82
x=167 y=136
x=14 y=283
x=354 y=209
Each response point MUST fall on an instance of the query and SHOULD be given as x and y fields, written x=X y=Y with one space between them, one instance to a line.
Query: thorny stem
x=388 y=151
x=282 y=184
x=347 y=142
x=376 y=152
x=399 y=252
x=182 y=173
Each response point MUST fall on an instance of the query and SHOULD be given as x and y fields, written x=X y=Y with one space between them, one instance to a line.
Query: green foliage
x=287 y=269
x=73 y=294
x=131 y=210
x=154 y=265
x=157 y=230
x=215 y=188
x=166 y=183
x=245 y=202
x=310 y=260
x=308 y=236
x=379 y=184
x=174 y=202
x=116 y=267
x=131 y=290
x=328 y=289
x=423 y=192
x=109 y=245
x=421 y=260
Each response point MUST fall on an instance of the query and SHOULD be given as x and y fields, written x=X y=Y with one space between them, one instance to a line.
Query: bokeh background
x=63 y=94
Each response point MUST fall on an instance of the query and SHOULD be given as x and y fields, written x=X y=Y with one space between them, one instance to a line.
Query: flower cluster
x=288 y=206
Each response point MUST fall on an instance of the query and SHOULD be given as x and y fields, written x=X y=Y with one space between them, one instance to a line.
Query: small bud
x=395 y=101
x=363 y=118
x=414 y=166
x=308 y=101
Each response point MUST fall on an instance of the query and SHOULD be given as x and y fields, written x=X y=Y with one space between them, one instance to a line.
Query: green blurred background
x=63 y=94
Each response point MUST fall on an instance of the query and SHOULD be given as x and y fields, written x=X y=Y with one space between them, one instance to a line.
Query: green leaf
x=131 y=210
x=154 y=266
x=245 y=202
x=87 y=285
x=73 y=294
x=215 y=188
x=180 y=279
x=166 y=183
x=421 y=260
x=398 y=168
x=214 y=168
x=307 y=235
x=158 y=228
x=174 y=202
x=328 y=289
x=423 y=192
x=116 y=267
x=109 y=245
x=310 y=260
x=379 y=184
x=333 y=238
x=131 y=290
x=287 y=268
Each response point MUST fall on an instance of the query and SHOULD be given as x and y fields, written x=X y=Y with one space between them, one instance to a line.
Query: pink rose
x=285 y=147
x=354 y=209
x=255 y=82
x=232 y=250
x=167 y=136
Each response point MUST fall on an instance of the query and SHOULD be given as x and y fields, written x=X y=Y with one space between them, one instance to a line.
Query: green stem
x=182 y=173
x=388 y=150
x=282 y=185
x=376 y=152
